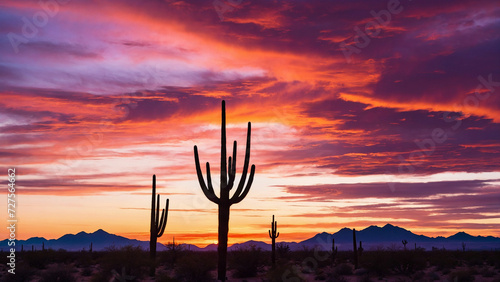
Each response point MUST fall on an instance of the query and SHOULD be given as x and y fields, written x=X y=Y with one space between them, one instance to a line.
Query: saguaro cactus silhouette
x=334 y=251
x=273 y=235
x=158 y=225
x=224 y=201
x=355 y=248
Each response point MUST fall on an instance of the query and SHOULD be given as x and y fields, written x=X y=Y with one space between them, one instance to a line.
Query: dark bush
x=245 y=261
x=461 y=276
x=58 y=273
x=196 y=266
x=129 y=261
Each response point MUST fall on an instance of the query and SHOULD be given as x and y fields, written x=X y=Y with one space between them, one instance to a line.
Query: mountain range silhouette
x=373 y=237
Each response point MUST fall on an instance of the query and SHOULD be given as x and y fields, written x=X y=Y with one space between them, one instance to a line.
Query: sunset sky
x=363 y=113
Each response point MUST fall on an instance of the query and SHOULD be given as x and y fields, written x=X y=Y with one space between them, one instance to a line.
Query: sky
x=363 y=113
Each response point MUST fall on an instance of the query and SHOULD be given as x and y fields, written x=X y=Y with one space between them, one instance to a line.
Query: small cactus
x=273 y=235
x=360 y=249
x=404 y=243
x=334 y=251
x=463 y=246
x=90 y=249
x=355 y=248
x=158 y=225
x=43 y=246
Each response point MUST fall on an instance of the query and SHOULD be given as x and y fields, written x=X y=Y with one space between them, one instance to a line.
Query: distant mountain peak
x=100 y=231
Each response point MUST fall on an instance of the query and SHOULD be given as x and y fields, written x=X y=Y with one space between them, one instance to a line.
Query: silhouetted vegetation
x=224 y=201
x=273 y=234
x=157 y=226
x=302 y=265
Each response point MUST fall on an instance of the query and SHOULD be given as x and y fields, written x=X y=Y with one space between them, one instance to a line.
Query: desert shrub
x=407 y=262
x=487 y=272
x=58 y=273
x=378 y=262
x=23 y=273
x=245 y=261
x=443 y=259
x=320 y=275
x=172 y=254
x=196 y=266
x=162 y=276
x=128 y=260
x=365 y=278
x=285 y=272
x=461 y=276
x=87 y=271
x=343 y=269
x=283 y=251
x=40 y=259
x=432 y=276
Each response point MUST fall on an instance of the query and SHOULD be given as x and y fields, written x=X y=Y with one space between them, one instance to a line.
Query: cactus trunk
x=158 y=225
x=273 y=234
x=227 y=177
x=334 y=251
x=355 y=248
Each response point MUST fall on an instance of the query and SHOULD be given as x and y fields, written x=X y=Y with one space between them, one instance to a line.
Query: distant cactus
x=22 y=248
x=404 y=243
x=158 y=225
x=273 y=235
x=224 y=201
x=32 y=248
x=43 y=246
x=360 y=249
x=174 y=250
x=415 y=246
x=463 y=246
x=334 y=251
x=90 y=249
x=355 y=248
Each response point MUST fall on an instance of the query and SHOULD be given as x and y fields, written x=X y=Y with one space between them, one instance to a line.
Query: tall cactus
x=355 y=248
x=404 y=243
x=158 y=225
x=224 y=201
x=334 y=251
x=273 y=235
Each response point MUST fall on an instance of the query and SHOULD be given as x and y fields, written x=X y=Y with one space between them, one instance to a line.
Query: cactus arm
x=208 y=191
x=241 y=185
x=164 y=216
x=232 y=168
x=157 y=210
x=223 y=167
x=240 y=198
x=270 y=236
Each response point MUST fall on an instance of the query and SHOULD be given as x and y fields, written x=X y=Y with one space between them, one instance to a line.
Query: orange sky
x=357 y=120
